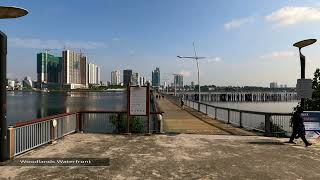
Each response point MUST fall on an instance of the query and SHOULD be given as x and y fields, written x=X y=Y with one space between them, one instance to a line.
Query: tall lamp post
x=5 y=13
x=300 y=45
x=196 y=58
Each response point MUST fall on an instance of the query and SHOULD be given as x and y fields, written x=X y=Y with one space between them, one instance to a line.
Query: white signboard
x=138 y=101
x=304 y=88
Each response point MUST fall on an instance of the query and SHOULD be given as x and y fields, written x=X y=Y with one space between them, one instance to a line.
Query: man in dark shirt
x=298 y=129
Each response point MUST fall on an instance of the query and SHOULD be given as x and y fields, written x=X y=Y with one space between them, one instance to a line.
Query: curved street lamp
x=5 y=13
x=300 y=45
x=196 y=58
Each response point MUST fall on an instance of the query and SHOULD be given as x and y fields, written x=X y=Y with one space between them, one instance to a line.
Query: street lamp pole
x=5 y=13
x=300 y=45
x=196 y=58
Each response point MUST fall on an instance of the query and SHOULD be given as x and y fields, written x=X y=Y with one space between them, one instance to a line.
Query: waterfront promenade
x=182 y=156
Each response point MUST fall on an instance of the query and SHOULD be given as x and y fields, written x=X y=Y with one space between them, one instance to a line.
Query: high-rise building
x=115 y=77
x=178 y=81
x=273 y=85
x=142 y=80
x=27 y=82
x=192 y=84
x=93 y=74
x=74 y=76
x=49 y=68
x=156 y=78
x=127 y=75
x=135 y=79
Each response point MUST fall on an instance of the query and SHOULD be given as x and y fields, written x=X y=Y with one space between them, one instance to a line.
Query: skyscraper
x=156 y=78
x=178 y=81
x=142 y=81
x=127 y=75
x=115 y=77
x=74 y=76
x=49 y=68
x=93 y=74
x=135 y=79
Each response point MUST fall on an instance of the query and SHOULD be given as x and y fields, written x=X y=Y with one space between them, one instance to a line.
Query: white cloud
x=293 y=15
x=53 y=44
x=185 y=73
x=213 y=59
x=235 y=23
x=279 y=55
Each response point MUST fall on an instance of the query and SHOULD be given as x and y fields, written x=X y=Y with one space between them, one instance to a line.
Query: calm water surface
x=22 y=106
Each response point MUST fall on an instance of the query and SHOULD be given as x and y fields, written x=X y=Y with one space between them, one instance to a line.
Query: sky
x=246 y=43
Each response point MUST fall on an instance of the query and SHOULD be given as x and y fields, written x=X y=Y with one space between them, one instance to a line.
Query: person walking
x=298 y=129
x=182 y=103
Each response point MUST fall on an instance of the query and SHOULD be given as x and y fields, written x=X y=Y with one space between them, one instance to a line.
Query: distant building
x=142 y=80
x=127 y=75
x=192 y=84
x=93 y=74
x=135 y=79
x=11 y=84
x=27 y=82
x=115 y=77
x=273 y=85
x=156 y=78
x=74 y=69
x=49 y=69
x=178 y=81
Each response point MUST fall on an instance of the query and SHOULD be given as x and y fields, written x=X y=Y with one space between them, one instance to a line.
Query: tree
x=313 y=104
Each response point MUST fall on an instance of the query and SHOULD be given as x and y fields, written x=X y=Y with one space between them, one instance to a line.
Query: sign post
x=138 y=103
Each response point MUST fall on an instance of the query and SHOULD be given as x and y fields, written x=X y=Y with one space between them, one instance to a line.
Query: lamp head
x=7 y=12
x=304 y=43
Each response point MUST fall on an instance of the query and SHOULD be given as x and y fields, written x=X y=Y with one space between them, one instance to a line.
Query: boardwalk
x=177 y=120
x=188 y=120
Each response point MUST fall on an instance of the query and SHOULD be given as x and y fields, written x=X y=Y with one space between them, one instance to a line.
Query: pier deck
x=177 y=120
x=182 y=156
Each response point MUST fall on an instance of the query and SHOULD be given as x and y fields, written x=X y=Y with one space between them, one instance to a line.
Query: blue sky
x=246 y=42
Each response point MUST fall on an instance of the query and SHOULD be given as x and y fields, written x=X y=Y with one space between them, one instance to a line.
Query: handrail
x=241 y=110
x=33 y=121
x=38 y=120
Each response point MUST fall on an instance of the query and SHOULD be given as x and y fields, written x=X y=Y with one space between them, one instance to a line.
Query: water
x=22 y=106
x=277 y=107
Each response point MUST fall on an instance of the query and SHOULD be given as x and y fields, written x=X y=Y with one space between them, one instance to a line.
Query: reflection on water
x=23 y=106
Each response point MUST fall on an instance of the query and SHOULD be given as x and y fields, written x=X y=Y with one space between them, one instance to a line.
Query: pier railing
x=268 y=123
x=27 y=135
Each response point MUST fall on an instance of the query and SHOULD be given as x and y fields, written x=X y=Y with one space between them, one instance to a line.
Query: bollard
x=267 y=124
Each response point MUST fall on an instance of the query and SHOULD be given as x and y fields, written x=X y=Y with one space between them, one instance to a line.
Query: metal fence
x=276 y=124
x=29 y=135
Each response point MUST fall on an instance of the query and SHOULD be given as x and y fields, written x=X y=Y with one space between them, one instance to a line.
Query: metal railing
x=24 y=136
x=31 y=134
x=271 y=124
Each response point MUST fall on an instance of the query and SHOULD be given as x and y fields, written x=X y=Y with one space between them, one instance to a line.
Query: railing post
x=11 y=142
x=267 y=124
x=79 y=122
x=206 y=110
x=228 y=116
x=240 y=120
x=198 y=106
x=215 y=113
x=53 y=124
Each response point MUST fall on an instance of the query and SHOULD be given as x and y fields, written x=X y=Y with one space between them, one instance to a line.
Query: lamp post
x=5 y=13
x=300 y=45
x=196 y=58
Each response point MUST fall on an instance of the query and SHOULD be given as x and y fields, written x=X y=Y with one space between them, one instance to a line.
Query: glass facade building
x=49 y=68
x=156 y=78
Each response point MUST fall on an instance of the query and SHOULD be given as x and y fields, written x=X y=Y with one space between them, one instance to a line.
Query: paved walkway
x=182 y=156
x=177 y=120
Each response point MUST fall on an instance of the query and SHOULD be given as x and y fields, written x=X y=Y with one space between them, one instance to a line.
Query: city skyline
x=249 y=42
